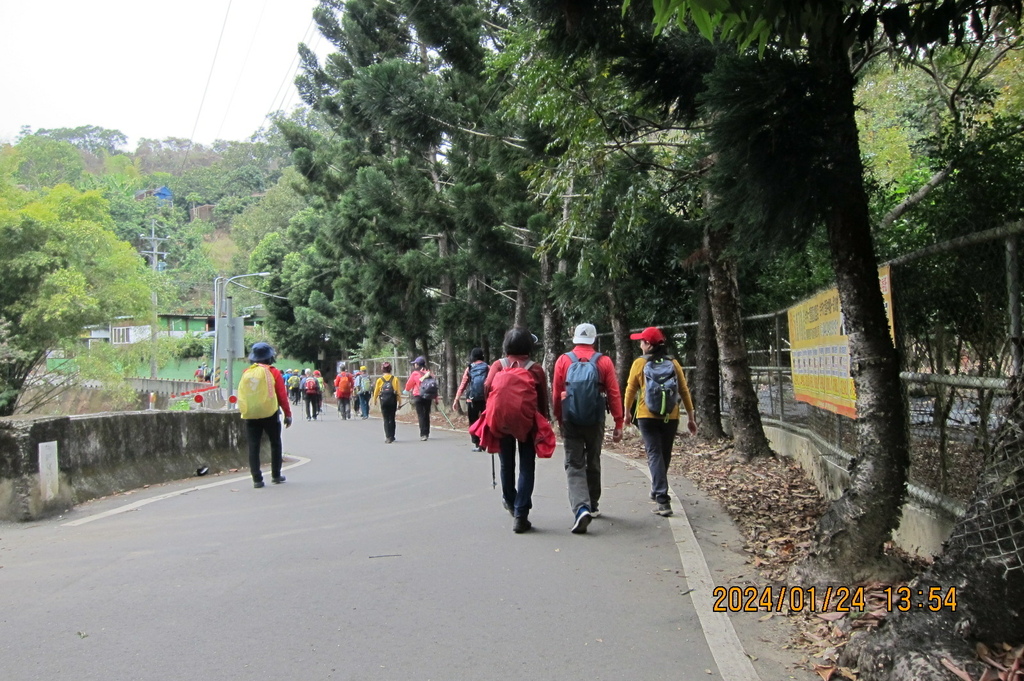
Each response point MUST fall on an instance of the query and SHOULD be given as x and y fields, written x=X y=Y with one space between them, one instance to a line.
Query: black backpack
x=387 y=396
x=428 y=388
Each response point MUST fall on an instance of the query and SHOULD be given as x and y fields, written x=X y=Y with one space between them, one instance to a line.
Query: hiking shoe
x=595 y=513
x=521 y=524
x=423 y=438
x=277 y=479
x=664 y=509
x=654 y=497
x=388 y=440
x=505 y=505
x=583 y=519
x=476 y=449
x=257 y=483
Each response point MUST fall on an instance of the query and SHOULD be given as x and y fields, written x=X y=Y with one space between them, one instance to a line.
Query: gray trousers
x=583 y=464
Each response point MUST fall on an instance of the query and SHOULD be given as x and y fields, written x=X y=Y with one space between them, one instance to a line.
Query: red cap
x=651 y=334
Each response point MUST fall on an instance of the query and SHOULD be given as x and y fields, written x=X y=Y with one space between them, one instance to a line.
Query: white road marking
x=726 y=648
x=160 y=497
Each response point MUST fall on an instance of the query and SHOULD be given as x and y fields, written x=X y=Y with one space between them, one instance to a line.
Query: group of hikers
x=509 y=408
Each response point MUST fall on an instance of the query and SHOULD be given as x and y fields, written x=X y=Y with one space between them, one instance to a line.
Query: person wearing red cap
x=654 y=392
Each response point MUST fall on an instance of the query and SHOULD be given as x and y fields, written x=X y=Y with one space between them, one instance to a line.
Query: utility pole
x=154 y=261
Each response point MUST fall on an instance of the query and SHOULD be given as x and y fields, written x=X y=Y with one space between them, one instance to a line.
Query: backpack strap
x=572 y=357
x=505 y=364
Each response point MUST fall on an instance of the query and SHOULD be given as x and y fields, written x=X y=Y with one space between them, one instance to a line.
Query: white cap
x=585 y=333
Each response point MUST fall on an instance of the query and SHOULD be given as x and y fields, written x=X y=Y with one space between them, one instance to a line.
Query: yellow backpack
x=256 y=396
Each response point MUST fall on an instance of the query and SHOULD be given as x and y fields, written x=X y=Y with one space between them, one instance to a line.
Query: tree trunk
x=982 y=562
x=449 y=383
x=552 y=318
x=520 y=318
x=850 y=537
x=706 y=388
x=620 y=337
x=748 y=434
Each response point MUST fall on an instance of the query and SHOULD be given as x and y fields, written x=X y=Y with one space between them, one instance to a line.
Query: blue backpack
x=584 y=405
x=661 y=387
x=477 y=377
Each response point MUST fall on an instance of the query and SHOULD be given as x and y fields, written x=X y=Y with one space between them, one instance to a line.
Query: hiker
x=261 y=398
x=386 y=393
x=472 y=384
x=655 y=388
x=343 y=384
x=422 y=385
x=583 y=388
x=312 y=394
x=322 y=384
x=295 y=386
x=364 y=386
x=516 y=414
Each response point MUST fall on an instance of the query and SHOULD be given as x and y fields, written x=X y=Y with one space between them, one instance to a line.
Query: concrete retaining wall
x=48 y=464
x=922 y=529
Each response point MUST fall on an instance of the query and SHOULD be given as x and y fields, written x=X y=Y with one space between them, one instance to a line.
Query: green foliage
x=64 y=270
x=45 y=162
x=89 y=138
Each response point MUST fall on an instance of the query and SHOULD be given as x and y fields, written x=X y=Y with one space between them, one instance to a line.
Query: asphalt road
x=372 y=561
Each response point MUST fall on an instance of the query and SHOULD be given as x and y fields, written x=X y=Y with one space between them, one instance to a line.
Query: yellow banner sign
x=820 y=350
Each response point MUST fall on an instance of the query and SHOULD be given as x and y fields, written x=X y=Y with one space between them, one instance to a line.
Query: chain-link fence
x=956 y=315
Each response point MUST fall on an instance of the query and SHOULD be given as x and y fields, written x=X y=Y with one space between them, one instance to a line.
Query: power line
x=289 y=74
x=206 y=89
x=241 y=71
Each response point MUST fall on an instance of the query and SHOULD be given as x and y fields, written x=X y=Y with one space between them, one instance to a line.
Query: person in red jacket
x=518 y=496
x=263 y=353
x=583 y=432
x=343 y=383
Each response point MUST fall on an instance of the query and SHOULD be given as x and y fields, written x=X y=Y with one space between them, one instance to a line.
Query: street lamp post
x=222 y=304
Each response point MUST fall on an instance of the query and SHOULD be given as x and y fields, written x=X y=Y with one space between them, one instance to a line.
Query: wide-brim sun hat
x=262 y=352
x=585 y=334
x=651 y=334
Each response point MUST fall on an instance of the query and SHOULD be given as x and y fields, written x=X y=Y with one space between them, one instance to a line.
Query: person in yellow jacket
x=388 y=393
x=653 y=402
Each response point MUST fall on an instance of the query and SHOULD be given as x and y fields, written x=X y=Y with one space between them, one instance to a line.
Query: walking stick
x=494 y=482
x=440 y=408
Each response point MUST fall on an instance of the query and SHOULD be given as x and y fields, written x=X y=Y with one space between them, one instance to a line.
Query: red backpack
x=512 y=402
x=344 y=385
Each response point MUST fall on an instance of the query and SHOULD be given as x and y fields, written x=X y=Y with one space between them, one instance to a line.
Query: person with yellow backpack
x=261 y=398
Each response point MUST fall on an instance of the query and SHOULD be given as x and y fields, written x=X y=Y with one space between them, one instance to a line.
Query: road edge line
x=725 y=645
x=160 y=497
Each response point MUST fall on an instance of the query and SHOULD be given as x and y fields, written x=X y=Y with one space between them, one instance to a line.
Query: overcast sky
x=142 y=67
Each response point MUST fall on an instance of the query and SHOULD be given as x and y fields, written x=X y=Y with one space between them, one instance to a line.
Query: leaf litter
x=776 y=507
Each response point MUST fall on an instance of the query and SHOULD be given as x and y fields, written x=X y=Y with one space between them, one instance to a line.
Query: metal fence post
x=1013 y=302
x=778 y=364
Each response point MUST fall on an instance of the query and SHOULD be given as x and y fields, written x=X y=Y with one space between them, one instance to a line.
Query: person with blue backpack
x=584 y=387
x=654 y=393
x=472 y=386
